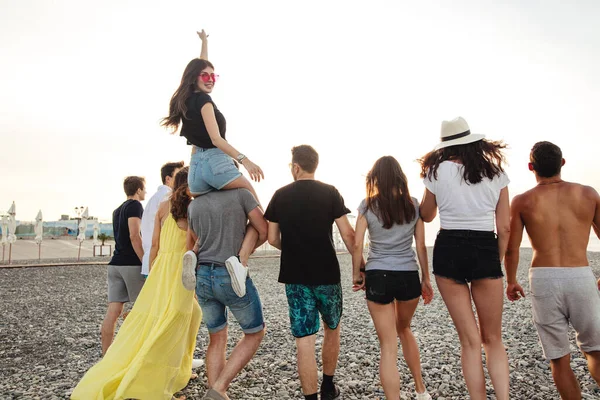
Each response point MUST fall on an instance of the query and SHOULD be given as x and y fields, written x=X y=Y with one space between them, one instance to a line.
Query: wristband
x=362 y=269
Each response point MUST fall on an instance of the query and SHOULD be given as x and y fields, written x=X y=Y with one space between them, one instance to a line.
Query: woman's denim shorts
x=465 y=255
x=210 y=169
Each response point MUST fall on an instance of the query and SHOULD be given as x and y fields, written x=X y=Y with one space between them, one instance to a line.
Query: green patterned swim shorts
x=306 y=302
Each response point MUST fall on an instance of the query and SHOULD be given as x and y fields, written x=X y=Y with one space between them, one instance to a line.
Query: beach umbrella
x=96 y=232
x=12 y=223
x=83 y=225
x=82 y=229
x=12 y=228
x=39 y=232
x=4 y=226
x=39 y=228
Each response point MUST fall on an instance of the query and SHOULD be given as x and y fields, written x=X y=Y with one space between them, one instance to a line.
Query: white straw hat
x=456 y=132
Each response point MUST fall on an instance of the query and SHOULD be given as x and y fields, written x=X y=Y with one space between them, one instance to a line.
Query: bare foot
x=193 y=376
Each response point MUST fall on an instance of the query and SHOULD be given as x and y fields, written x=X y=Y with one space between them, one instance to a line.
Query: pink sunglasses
x=206 y=77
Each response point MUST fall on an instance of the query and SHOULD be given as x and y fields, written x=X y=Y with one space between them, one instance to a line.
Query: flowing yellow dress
x=151 y=356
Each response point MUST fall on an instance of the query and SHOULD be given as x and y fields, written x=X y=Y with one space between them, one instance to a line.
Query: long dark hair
x=180 y=199
x=481 y=159
x=387 y=193
x=188 y=85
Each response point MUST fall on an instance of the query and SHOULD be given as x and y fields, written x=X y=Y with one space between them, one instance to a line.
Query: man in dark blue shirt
x=124 y=270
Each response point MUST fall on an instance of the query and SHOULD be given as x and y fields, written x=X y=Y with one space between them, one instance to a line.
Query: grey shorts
x=124 y=283
x=560 y=296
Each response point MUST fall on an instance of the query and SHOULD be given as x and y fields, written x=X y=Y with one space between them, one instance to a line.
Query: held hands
x=202 y=35
x=514 y=291
x=358 y=281
x=254 y=170
x=426 y=291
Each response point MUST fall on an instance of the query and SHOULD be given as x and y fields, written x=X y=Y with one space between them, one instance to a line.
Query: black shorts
x=464 y=255
x=384 y=286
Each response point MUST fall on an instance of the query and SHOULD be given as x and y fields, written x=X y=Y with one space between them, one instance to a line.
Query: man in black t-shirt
x=124 y=270
x=300 y=217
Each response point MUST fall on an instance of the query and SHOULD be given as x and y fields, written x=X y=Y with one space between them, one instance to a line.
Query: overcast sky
x=84 y=85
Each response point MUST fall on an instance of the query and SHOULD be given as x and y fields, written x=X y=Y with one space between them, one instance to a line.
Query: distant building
x=64 y=217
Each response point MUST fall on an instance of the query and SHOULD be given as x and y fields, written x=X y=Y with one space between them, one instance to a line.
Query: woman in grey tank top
x=391 y=275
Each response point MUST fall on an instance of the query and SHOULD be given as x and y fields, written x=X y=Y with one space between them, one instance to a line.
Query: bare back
x=558 y=218
x=163 y=213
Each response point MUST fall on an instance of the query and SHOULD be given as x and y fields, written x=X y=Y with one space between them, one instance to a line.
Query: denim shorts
x=306 y=302
x=215 y=295
x=465 y=255
x=383 y=287
x=210 y=169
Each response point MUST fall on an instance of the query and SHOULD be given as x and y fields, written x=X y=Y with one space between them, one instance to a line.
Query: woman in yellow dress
x=151 y=356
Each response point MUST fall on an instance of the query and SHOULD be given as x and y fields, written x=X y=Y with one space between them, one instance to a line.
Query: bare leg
x=251 y=237
x=248 y=245
x=107 y=332
x=331 y=348
x=488 y=295
x=593 y=359
x=410 y=349
x=215 y=355
x=240 y=183
x=239 y=358
x=457 y=297
x=307 y=364
x=565 y=379
x=384 y=319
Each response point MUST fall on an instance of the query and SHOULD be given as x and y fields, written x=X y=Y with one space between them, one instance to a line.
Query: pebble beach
x=50 y=320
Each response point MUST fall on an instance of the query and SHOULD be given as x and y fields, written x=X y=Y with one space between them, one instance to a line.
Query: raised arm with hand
x=204 y=50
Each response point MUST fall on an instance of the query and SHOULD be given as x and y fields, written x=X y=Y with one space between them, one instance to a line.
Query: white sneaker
x=197 y=363
x=238 y=274
x=188 y=273
x=423 y=396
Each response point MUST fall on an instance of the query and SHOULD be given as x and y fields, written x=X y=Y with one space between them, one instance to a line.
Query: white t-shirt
x=463 y=205
x=162 y=193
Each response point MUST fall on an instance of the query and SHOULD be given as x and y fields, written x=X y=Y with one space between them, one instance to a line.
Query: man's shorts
x=306 y=302
x=466 y=255
x=383 y=286
x=124 y=283
x=560 y=296
x=215 y=294
x=210 y=169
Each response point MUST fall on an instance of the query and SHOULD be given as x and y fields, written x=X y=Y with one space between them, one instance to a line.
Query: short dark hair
x=168 y=169
x=306 y=157
x=546 y=159
x=131 y=184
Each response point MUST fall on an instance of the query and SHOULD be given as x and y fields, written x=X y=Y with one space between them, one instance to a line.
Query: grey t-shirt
x=219 y=219
x=390 y=249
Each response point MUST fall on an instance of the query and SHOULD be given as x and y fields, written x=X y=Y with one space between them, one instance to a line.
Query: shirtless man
x=558 y=216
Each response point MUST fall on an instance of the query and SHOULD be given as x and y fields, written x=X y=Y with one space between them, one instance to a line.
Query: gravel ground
x=53 y=261
x=49 y=337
